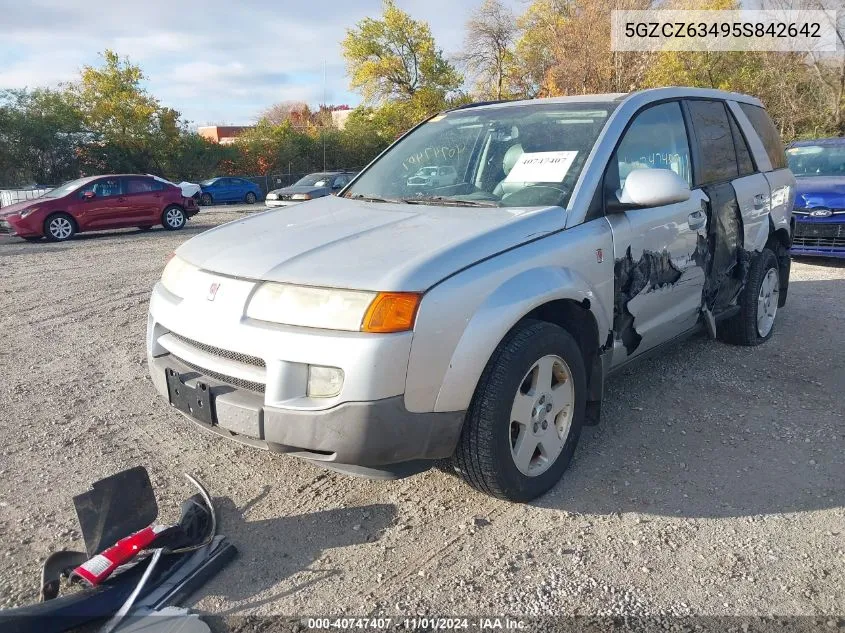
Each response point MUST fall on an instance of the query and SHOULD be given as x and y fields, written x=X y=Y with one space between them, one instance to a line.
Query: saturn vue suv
x=472 y=325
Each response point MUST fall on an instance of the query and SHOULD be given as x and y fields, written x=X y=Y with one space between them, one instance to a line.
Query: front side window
x=817 y=160
x=510 y=156
x=715 y=141
x=656 y=139
x=104 y=188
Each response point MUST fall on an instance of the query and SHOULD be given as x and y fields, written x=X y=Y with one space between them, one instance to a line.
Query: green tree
x=41 y=135
x=395 y=57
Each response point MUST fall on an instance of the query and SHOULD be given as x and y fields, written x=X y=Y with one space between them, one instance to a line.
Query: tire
x=206 y=199
x=250 y=198
x=489 y=455
x=59 y=227
x=145 y=228
x=173 y=218
x=758 y=303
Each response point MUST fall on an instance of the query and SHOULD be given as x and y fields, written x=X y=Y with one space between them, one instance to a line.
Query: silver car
x=473 y=325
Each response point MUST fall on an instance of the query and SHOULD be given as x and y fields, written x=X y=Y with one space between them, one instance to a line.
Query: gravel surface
x=714 y=485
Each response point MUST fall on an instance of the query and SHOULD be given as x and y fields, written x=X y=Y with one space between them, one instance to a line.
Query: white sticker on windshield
x=541 y=167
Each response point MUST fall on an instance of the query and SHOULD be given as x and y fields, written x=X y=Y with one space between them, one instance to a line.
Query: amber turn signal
x=391 y=312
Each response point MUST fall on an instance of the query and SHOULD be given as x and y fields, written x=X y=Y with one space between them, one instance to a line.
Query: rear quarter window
x=766 y=130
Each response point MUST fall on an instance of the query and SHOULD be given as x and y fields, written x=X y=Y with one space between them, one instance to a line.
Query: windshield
x=514 y=155
x=817 y=160
x=66 y=188
x=210 y=181
x=314 y=180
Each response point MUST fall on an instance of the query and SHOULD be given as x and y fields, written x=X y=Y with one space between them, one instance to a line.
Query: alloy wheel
x=767 y=302
x=541 y=416
x=174 y=218
x=60 y=228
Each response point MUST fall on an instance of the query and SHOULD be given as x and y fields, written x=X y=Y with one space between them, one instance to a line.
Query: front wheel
x=173 y=218
x=250 y=198
x=206 y=199
x=59 y=227
x=758 y=304
x=526 y=415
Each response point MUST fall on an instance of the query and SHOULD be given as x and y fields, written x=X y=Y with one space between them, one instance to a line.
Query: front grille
x=819 y=235
x=5 y=227
x=236 y=382
x=246 y=359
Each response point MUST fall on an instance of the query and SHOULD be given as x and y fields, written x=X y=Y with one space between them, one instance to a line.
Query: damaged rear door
x=657 y=282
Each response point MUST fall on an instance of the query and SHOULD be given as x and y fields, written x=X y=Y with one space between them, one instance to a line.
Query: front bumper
x=21 y=227
x=282 y=203
x=257 y=374
x=375 y=438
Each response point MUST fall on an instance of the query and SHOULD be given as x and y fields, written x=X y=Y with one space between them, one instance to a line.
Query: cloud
x=214 y=61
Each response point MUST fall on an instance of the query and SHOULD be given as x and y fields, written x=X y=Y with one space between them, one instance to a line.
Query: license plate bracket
x=197 y=401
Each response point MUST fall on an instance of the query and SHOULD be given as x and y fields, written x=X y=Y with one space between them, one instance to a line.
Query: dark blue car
x=228 y=189
x=819 y=213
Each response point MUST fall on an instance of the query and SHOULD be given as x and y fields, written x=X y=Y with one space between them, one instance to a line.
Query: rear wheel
x=59 y=227
x=206 y=199
x=173 y=218
x=250 y=198
x=526 y=415
x=758 y=303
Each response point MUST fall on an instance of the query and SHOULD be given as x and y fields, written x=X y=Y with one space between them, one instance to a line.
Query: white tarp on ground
x=13 y=196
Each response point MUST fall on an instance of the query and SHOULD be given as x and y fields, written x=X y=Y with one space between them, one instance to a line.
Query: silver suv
x=473 y=324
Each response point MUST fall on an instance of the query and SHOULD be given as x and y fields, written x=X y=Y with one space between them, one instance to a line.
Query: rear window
x=762 y=124
x=715 y=141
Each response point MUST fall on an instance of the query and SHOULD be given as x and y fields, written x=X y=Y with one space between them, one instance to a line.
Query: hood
x=19 y=206
x=341 y=243
x=302 y=189
x=820 y=191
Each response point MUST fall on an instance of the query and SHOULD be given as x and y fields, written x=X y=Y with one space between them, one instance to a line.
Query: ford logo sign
x=821 y=213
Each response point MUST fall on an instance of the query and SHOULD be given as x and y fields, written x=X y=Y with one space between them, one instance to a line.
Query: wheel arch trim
x=517 y=298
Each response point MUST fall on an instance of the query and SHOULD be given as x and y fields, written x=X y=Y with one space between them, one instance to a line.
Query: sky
x=216 y=62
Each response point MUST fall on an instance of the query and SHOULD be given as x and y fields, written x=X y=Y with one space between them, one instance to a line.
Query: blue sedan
x=819 y=214
x=227 y=189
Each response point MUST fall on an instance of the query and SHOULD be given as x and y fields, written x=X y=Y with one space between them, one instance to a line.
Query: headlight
x=178 y=276
x=27 y=212
x=301 y=196
x=272 y=196
x=334 y=309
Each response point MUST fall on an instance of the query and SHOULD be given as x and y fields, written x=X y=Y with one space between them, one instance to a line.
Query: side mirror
x=88 y=195
x=652 y=188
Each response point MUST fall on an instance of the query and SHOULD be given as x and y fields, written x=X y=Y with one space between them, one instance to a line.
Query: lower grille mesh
x=236 y=382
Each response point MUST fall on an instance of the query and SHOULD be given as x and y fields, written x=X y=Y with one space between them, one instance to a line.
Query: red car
x=96 y=203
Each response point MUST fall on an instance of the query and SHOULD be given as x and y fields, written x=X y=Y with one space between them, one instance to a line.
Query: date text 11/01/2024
x=421 y=623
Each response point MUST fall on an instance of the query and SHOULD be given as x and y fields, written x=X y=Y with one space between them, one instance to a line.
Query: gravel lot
x=714 y=485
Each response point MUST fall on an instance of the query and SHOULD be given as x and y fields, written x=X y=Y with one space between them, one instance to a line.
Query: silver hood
x=342 y=243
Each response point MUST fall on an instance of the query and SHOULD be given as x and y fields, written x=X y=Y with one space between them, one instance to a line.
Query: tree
x=40 y=137
x=131 y=131
x=488 y=48
x=395 y=57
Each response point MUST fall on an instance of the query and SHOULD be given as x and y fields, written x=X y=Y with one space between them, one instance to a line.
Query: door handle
x=696 y=219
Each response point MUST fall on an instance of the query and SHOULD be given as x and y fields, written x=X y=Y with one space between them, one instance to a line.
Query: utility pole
x=325 y=113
